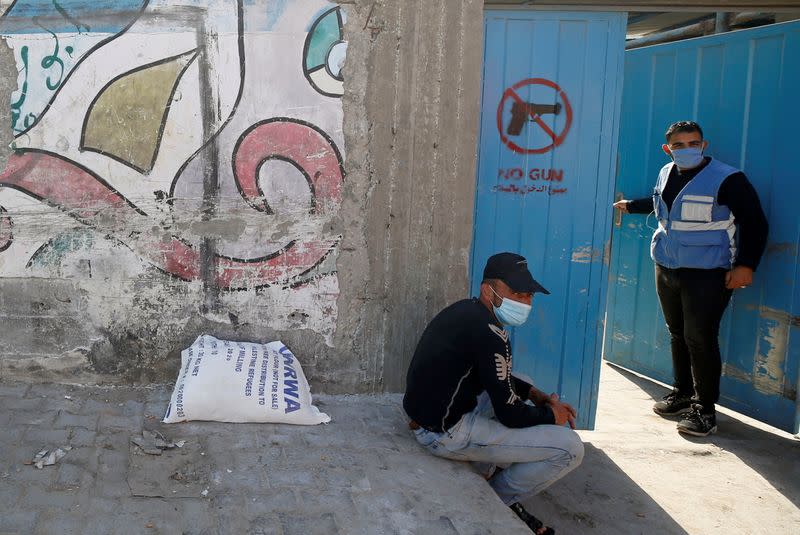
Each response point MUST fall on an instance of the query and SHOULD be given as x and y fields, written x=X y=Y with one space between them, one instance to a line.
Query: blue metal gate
x=549 y=119
x=742 y=88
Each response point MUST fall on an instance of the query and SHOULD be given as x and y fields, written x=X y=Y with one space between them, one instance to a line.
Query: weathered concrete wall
x=411 y=122
x=179 y=168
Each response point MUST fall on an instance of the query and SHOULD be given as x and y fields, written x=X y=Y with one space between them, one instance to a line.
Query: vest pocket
x=705 y=249
x=704 y=238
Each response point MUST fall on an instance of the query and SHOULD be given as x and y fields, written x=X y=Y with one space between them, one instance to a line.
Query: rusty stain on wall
x=622 y=337
x=735 y=372
x=768 y=376
x=585 y=254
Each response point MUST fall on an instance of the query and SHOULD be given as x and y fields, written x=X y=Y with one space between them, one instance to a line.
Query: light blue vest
x=697 y=232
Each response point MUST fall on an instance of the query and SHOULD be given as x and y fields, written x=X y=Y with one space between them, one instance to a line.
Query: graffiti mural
x=324 y=53
x=139 y=124
x=60 y=34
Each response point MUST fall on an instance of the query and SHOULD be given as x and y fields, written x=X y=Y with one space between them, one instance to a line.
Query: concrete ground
x=363 y=473
x=640 y=476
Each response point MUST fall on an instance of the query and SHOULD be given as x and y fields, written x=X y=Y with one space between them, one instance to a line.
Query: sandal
x=531 y=521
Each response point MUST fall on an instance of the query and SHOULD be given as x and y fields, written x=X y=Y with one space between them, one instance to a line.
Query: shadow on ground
x=600 y=481
x=774 y=455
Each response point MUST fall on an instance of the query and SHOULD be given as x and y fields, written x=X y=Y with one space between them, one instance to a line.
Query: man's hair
x=683 y=126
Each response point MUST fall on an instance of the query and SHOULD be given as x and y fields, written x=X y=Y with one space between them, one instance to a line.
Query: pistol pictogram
x=521 y=111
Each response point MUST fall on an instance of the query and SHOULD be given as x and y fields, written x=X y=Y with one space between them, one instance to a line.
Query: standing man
x=465 y=404
x=710 y=237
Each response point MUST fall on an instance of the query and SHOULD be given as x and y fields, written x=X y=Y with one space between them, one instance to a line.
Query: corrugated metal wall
x=543 y=187
x=742 y=88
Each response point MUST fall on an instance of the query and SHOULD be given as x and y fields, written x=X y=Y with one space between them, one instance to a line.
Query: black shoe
x=673 y=404
x=698 y=423
x=531 y=521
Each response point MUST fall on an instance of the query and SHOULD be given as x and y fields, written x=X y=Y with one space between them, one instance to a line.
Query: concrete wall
x=187 y=167
x=411 y=121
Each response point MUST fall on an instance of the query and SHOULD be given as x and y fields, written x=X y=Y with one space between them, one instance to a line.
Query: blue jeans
x=533 y=457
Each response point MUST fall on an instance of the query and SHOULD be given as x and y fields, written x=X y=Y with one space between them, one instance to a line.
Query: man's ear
x=705 y=145
x=665 y=148
x=486 y=291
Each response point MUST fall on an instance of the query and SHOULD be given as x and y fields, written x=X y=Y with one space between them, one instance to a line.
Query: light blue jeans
x=533 y=457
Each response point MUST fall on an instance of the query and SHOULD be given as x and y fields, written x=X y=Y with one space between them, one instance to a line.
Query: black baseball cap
x=512 y=269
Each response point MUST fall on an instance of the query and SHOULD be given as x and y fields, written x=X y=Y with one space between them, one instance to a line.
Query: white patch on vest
x=499 y=332
x=695 y=211
x=692 y=226
x=698 y=198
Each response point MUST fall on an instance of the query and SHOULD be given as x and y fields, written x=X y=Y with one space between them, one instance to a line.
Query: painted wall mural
x=141 y=124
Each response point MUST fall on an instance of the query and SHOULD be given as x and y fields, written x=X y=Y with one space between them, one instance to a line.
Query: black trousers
x=693 y=301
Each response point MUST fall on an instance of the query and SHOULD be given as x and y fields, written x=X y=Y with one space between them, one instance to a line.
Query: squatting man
x=465 y=404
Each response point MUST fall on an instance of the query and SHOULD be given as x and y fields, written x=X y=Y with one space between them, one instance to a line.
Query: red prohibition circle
x=558 y=139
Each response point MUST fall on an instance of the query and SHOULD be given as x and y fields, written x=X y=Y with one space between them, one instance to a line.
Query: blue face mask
x=687 y=158
x=511 y=312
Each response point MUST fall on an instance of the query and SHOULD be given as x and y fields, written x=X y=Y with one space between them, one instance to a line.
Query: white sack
x=227 y=381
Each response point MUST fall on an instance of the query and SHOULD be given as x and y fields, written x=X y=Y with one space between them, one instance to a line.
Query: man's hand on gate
x=622 y=206
x=739 y=277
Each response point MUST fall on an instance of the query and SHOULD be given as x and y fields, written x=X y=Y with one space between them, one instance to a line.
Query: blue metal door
x=549 y=118
x=742 y=88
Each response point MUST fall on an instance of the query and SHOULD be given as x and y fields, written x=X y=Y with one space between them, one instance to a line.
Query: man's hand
x=563 y=412
x=622 y=206
x=739 y=277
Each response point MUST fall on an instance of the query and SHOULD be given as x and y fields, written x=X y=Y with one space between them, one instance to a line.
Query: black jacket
x=463 y=352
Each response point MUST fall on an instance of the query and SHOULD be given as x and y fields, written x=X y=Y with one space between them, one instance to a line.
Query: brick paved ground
x=363 y=473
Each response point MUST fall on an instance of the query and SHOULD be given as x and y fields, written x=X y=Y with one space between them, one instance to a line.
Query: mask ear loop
x=497 y=294
x=647 y=221
x=652 y=212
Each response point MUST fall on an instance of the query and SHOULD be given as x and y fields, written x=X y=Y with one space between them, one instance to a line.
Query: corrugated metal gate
x=743 y=89
x=549 y=119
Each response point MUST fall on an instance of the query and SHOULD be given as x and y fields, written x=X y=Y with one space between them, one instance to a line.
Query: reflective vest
x=697 y=232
